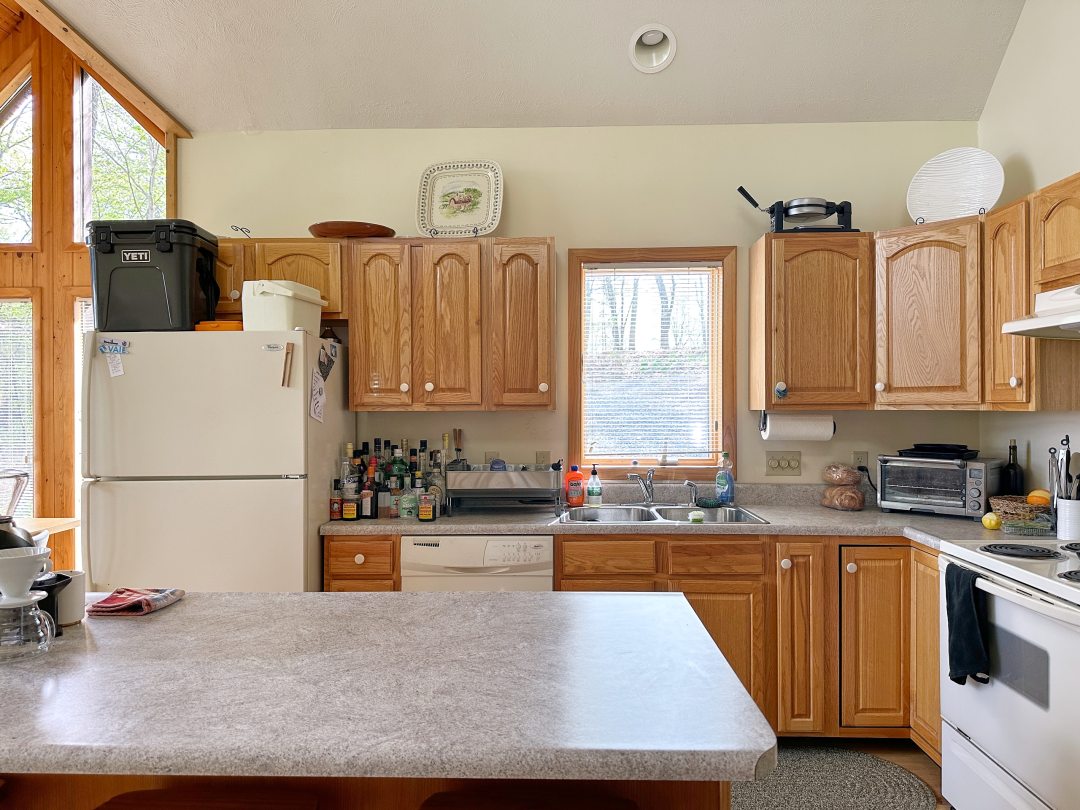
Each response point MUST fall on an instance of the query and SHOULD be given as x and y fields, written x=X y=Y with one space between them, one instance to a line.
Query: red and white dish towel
x=135 y=601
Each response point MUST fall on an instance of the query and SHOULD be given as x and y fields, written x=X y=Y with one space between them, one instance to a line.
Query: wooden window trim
x=28 y=64
x=41 y=413
x=725 y=351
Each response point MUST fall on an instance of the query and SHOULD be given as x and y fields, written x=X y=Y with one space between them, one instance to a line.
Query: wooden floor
x=905 y=754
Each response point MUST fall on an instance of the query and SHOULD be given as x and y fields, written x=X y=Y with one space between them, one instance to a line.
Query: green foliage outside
x=17 y=173
x=126 y=164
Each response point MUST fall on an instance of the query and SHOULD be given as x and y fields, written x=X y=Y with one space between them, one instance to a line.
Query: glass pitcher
x=25 y=631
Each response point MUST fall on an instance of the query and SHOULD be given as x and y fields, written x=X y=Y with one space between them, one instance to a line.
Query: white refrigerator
x=205 y=466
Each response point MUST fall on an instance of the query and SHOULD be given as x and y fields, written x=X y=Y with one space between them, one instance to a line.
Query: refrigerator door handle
x=87 y=373
x=84 y=534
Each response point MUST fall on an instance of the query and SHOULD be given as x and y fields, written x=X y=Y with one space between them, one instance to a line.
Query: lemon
x=991 y=521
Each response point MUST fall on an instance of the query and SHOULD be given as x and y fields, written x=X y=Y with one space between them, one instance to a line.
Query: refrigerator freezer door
x=195 y=404
x=229 y=535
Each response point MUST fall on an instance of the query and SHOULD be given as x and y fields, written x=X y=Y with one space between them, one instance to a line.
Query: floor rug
x=811 y=776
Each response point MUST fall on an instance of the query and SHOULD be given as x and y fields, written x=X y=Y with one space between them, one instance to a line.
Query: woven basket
x=1016 y=507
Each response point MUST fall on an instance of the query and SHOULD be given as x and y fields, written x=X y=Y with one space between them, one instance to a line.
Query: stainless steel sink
x=608 y=514
x=663 y=513
x=725 y=514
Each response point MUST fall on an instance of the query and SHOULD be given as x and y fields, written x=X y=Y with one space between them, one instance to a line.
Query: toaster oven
x=938 y=486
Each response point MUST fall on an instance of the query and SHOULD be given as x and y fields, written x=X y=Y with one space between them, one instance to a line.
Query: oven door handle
x=1068 y=616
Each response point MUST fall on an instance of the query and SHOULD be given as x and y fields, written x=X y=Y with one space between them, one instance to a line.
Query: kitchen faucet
x=645 y=483
x=693 y=492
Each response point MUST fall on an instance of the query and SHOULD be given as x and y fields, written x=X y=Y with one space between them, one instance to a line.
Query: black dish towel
x=965 y=607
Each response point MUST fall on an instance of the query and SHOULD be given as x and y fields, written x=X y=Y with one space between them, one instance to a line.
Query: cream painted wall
x=1030 y=123
x=589 y=187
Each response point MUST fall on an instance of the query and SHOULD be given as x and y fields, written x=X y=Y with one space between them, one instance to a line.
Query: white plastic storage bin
x=275 y=306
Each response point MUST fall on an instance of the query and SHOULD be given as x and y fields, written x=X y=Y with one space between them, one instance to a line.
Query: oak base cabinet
x=800 y=636
x=874 y=636
x=925 y=653
x=361 y=563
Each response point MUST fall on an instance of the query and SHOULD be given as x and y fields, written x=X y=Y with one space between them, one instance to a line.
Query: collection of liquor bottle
x=390 y=481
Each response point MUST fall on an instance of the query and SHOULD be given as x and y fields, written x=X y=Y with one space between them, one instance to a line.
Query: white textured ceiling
x=223 y=65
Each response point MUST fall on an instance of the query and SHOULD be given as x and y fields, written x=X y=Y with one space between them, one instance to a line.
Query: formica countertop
x=783 y=519
x=444 y=685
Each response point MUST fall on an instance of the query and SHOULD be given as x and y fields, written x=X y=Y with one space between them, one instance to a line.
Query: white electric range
x=1012 y=743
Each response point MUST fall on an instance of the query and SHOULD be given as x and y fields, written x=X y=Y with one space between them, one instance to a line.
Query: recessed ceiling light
x=652 y=48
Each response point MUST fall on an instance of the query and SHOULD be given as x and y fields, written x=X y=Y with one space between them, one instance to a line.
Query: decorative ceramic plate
x=460 y=198
x=957 y=183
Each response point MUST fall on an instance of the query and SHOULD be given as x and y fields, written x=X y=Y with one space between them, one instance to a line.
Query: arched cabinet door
x=522 y=321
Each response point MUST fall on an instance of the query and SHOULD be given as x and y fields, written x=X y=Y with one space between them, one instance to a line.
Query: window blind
x=650 y=370
x=17 y=394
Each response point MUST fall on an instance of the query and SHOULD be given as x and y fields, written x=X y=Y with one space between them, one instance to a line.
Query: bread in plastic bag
x=841 y=475
x=844 y=498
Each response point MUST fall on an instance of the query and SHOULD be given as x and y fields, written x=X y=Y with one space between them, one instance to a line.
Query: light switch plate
x=543 y=458
x=783 y=462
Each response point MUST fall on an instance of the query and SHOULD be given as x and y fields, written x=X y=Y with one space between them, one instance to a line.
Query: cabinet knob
x=785 y=564
x=429 y=386
x=879 y=387
x=234 y=295
x=359 y=559
x=1015 y=382
x=404 y=388
x=780 y=389
x=852 y=568
x=543 y=388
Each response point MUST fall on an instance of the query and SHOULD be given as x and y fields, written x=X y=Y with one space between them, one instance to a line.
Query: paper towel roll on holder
x=763 y=426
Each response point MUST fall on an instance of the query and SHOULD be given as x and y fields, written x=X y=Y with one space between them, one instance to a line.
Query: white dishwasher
x=463 y=562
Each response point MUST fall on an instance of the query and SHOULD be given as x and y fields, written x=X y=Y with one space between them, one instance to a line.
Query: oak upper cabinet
x=1007 y=297
x=1055 y=226
x=734 y=614
x=230 y=271
x=874 y=618
x=800 y=640
x=925 y=653
x=446 y=323
x=929 y=327
x=314 y=262
x=380 y=326
x=521 y=296
x=811 y=322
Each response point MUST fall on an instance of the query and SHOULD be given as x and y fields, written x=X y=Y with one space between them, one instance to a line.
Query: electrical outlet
x=860 y=458
x=489 y=455
x=783 y=462
x=543 y=458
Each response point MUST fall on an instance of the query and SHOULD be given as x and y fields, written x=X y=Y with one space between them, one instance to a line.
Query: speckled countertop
x=785 y=519
x=461 y=685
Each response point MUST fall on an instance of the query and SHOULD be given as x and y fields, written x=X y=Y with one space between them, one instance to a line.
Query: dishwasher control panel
x=516 y=551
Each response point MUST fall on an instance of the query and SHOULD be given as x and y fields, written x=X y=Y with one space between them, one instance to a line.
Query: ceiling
x=323 y=64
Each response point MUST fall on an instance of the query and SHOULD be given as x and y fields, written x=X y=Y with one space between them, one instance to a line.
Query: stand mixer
x=25 y=630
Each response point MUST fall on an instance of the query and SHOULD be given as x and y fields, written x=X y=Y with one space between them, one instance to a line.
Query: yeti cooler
x=153 y=275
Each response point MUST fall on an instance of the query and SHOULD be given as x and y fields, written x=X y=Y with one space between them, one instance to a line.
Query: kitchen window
x=119 y=163
x=652 y=359
x=17 y=375
x=17 y=162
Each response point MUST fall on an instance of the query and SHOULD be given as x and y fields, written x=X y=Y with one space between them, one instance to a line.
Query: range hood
x=1057 y=316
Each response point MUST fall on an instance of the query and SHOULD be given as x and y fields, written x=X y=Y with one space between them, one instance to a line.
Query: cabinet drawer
x=608 y=557
x=736 y=557
x=361 y=585
x=350 y=559
x=607 y=585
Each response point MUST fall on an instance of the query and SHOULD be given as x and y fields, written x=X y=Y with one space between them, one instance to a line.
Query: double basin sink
x=657 y=513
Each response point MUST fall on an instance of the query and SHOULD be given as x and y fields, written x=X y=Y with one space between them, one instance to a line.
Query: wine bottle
x=1012 y=474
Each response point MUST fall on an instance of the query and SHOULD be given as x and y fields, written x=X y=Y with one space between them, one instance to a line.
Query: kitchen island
x=383 y=699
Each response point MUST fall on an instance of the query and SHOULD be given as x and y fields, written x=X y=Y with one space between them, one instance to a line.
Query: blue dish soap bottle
x=725 y=481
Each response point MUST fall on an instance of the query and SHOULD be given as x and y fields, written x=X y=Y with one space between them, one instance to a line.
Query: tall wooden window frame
x=723 y=355
x=27 y=66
